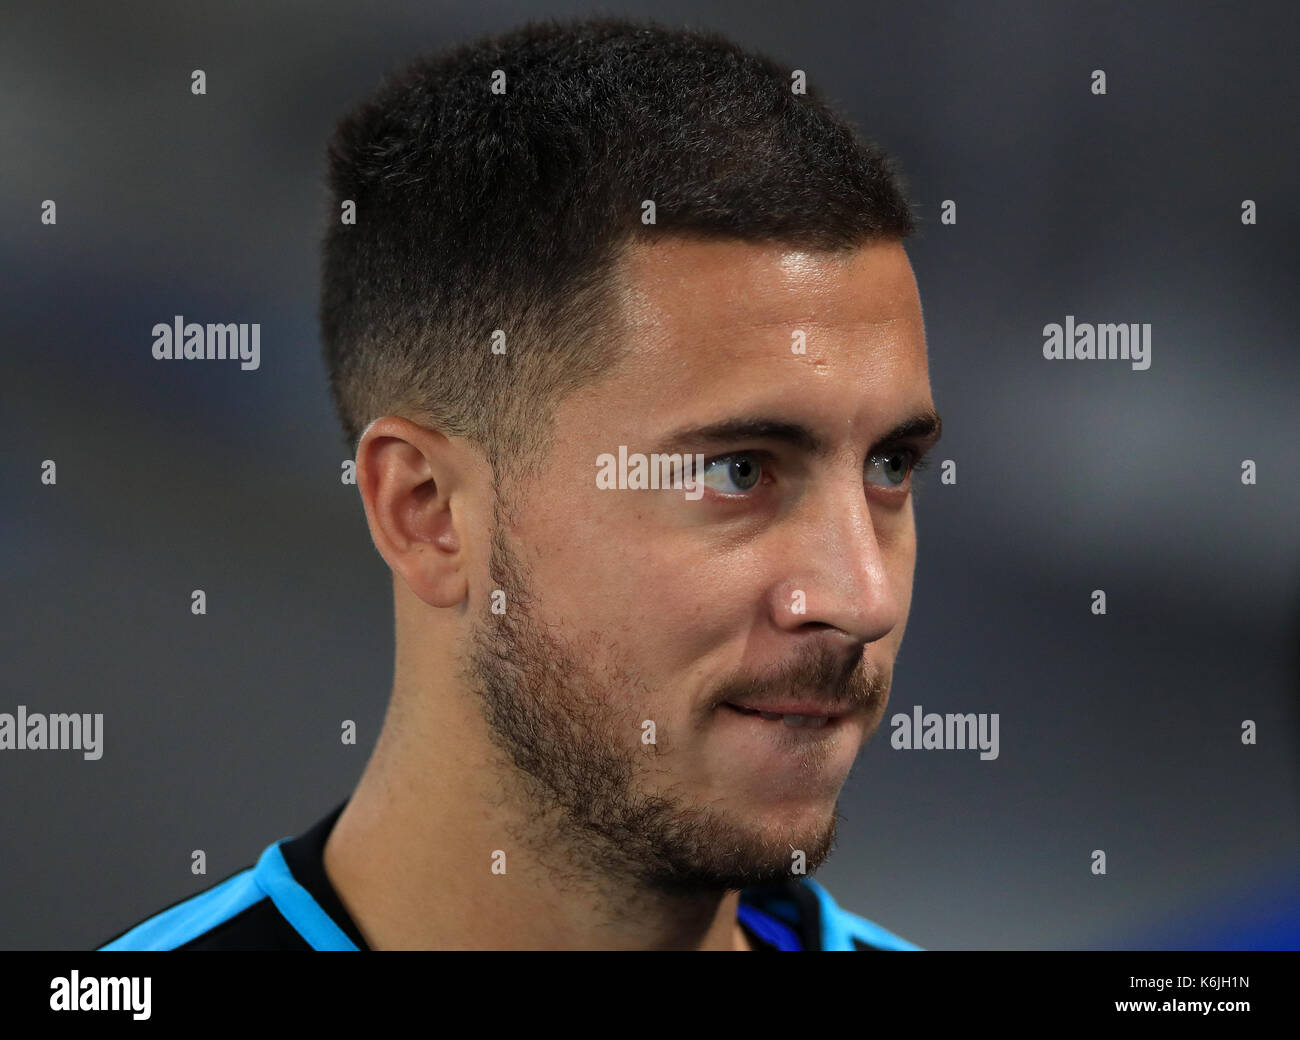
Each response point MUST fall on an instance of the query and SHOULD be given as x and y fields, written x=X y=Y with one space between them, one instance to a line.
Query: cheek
x=900 y=563
x=665 y=620
x=618 y=604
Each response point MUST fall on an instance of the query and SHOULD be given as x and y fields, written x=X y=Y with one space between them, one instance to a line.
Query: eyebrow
x=925 y=425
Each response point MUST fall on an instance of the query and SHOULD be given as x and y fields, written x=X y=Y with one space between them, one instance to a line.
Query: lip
x=816 y=710
x=775 y=761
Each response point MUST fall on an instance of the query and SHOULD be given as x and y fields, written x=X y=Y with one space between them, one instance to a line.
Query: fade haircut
x=478 y=211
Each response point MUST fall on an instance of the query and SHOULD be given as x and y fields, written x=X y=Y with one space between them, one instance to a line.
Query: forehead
x=691 y=279
x=716 y=325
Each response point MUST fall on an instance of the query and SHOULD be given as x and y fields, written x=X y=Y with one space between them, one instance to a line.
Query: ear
x=417 y=488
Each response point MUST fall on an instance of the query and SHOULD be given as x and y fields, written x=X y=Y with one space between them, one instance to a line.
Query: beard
x=568 y=728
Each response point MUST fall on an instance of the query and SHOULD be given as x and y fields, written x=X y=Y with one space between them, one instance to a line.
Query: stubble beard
x=579 y=767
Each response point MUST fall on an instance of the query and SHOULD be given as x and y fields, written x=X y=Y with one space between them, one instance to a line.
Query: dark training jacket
x=286 y=902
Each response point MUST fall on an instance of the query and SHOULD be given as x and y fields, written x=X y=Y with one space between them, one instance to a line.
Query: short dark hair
x=479 y=210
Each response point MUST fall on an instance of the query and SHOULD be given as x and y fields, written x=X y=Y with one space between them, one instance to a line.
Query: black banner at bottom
x=486 y=990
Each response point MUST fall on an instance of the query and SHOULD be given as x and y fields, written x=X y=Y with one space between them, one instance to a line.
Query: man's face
x=643 y=628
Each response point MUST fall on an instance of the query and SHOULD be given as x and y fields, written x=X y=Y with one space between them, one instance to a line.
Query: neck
x=436 y=849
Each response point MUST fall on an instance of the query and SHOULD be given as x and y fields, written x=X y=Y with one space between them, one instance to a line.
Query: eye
x=895 y=466
x=733 y=474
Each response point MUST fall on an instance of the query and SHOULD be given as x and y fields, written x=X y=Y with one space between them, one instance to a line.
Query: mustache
x=815 y=672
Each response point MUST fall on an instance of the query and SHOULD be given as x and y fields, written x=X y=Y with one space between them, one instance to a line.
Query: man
x=623 y=708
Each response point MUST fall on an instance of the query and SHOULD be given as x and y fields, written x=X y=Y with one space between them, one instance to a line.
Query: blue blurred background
x=1119 y=733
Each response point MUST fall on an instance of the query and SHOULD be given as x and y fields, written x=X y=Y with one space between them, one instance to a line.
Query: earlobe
x=412 y=486
x=436 y=579
x=434 y=570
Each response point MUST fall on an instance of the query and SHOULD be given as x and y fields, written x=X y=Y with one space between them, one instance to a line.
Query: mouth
x=794 y=716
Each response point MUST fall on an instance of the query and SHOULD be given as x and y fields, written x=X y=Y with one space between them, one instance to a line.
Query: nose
x=841 y=567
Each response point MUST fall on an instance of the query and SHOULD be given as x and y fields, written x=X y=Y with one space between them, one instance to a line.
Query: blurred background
x=1120 y=733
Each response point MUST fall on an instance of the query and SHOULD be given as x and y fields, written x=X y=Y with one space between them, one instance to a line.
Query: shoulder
x=234 y=914
x=844 y=930
x=800 y=914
